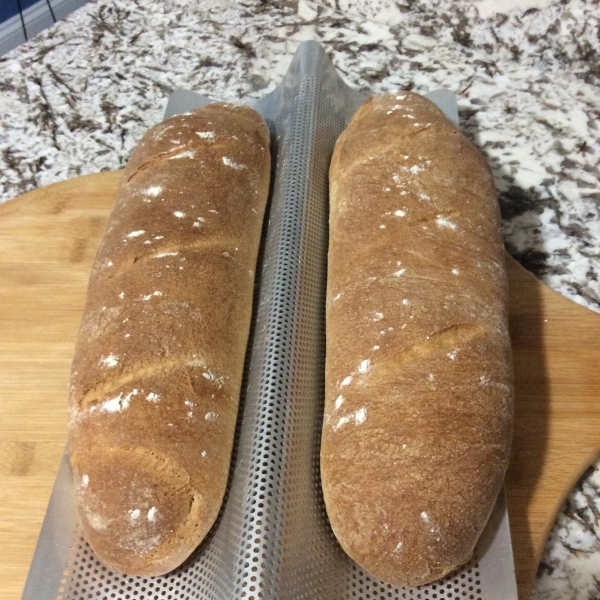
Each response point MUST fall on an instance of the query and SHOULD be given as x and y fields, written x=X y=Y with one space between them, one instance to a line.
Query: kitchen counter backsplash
x=78 y=97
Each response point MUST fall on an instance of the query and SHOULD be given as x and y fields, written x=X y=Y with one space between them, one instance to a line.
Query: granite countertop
x=76 y=99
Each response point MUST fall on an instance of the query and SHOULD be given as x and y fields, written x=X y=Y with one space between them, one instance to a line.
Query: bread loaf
x=158 y=363
x=418 y=408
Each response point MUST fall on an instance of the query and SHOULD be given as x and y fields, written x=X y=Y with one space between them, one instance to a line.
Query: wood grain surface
x=48 y=239
x=556 y=358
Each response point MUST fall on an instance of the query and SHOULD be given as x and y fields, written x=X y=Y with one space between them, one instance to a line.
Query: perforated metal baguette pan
x=272 y=539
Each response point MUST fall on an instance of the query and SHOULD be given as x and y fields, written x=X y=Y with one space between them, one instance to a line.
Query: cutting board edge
x=112 y=178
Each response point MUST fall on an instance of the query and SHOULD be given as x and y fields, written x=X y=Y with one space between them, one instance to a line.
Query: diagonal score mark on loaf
x=432 y=262
x=160 y=157
x=388 y=148
x=467 y=244
x=464 y=192
x=442 y=341
x=219 y=246
x=211 y=149
x=180 y=481
x=395 y=282
x=177 y=470
x=97 y=393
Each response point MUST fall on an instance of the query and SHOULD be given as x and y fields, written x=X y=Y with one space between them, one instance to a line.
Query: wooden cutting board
x=48 y=239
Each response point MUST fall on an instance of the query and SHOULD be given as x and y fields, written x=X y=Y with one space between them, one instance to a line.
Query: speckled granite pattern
x=570 y=567
x=77 y=98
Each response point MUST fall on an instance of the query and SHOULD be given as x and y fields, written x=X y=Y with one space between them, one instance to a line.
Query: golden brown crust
x=158 y=364
x=418 y=408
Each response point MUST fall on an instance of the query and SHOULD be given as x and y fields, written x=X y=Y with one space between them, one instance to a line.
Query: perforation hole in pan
x=464 y=584
x=86 y=577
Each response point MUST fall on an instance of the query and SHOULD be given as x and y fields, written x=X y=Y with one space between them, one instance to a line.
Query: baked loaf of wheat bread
x=159 y=358
x=418 y=408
